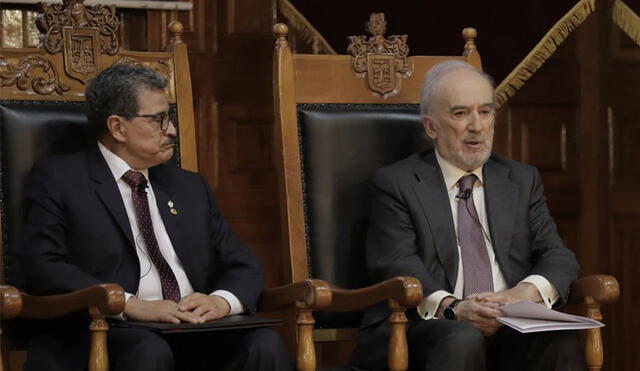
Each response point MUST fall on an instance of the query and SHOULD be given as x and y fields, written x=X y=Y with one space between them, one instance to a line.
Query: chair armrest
x=107 y=298
x=407 y=291
x=602 y=288
x=315 y=294
x=11 y=302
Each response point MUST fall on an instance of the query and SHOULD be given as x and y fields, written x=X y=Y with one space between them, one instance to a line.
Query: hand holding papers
x=527 y=316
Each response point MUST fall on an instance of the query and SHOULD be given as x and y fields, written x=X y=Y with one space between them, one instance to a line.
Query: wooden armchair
x=338 y=119
x=588 y=295
x=42 y=114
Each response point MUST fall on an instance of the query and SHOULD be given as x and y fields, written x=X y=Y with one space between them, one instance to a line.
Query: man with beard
x=117 y=213
x=474 y=228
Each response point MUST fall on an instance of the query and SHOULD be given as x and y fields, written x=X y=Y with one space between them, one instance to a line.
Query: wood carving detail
x=161 y=66
x=73 y=14
x=35 y=69
x=83 y=34
x=383 y=60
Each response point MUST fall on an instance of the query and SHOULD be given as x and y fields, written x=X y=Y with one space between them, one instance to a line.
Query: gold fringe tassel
x=627 y=20
x=304 y=28
x=543 y=50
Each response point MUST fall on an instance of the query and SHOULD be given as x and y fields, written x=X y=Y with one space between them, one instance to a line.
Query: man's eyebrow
x=160 y=113
x=457 y=107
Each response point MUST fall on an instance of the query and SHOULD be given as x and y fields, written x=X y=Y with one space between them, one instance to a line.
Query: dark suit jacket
x=411 y=232
x=77 y=233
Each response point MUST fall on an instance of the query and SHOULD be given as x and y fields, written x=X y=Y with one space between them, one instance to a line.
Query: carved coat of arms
x=86 y=33
x=383 y=60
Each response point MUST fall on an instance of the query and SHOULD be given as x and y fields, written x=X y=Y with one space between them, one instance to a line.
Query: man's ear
x=117 y=128
x=429 y=127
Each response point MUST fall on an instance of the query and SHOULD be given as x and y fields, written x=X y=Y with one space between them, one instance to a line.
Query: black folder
x=234 y=322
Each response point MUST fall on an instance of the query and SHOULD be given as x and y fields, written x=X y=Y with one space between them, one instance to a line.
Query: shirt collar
x=117 y=165
x=452 y=173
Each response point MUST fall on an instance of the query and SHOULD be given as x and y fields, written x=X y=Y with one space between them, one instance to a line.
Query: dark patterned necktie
x=475 y=259
x=138 y=184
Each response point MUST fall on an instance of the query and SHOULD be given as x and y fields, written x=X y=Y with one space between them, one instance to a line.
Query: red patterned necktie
x=138 y=184
x=475 y=259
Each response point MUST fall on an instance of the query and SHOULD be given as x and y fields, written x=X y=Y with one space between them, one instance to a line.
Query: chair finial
x=281 y=31
x=175 y=32
x=469 y=34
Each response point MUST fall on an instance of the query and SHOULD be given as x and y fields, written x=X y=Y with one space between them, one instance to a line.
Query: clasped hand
x=482 y=310
x=193 y=308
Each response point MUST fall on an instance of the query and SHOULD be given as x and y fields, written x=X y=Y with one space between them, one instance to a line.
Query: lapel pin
x=171 y=209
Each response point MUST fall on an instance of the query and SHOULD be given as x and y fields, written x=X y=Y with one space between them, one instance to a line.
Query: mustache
x=475 y=138
x=168 y=141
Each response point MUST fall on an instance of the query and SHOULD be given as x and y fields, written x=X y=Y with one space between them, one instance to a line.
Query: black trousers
x=442 y=345
x=143 y=350
x=458 y=345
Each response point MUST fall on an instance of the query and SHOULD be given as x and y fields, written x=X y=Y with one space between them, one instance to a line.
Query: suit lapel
x=501 y=195
x=162 y=181
x=108 y=192
x=434 y=200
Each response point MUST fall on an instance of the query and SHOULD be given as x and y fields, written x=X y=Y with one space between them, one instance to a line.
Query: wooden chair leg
x=98 y=354
x=398 y=350
x=306 y=354
x=593 y=341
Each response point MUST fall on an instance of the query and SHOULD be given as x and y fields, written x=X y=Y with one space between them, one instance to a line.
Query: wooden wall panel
x=548 y=140
x=251 y=145
x=247 y=18
x=206 y=109
x=623 y=205
x=539 y=126
x=230 y=45
x=624 y=262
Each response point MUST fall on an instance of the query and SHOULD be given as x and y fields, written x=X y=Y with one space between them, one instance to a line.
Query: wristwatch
x=450 y=311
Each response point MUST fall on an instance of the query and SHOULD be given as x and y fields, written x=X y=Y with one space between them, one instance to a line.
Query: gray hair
x=439 y=71
x=115 y=90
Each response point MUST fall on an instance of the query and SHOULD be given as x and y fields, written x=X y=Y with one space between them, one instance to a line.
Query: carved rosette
x=83 y=34
x=33 y=69
x=383 y=60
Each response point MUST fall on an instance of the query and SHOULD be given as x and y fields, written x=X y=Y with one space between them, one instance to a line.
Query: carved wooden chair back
x=42 y=99
x=338 y=119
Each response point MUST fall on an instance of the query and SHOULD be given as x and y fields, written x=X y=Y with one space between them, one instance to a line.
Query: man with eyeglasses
x=117 y=213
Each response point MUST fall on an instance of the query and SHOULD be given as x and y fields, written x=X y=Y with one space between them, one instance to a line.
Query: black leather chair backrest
x=29 y=132
x=341 y=146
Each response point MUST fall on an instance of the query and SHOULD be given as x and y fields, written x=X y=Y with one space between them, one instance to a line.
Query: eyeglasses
x=161 y=118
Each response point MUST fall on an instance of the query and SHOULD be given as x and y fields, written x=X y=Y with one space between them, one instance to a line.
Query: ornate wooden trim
x=161 y=66
x=73 y=14
x=383 y=60
x=81 y=52
x=304 y=29
x=627 y=20
x=25 y=72
x=82 y=34
x=543 y=50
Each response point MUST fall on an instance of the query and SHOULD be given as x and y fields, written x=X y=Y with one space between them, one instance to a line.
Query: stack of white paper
x=527 y=316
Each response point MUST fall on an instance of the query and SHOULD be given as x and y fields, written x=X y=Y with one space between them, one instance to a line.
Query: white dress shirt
x=150 y=287
x=429 y=305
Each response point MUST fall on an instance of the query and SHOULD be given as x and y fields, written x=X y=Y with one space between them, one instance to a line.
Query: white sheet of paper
x=527 y=316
